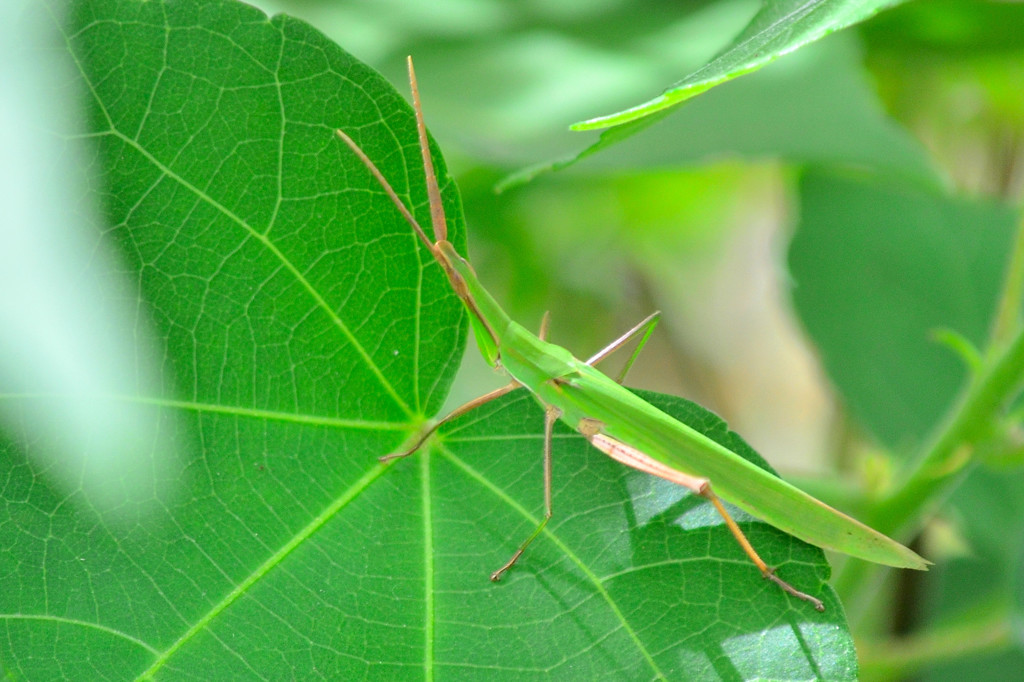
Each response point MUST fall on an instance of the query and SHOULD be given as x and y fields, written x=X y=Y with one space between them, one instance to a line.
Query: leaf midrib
x=239 y=590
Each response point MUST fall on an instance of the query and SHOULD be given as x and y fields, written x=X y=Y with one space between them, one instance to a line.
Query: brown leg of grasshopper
x=630 y=456
x=767 y=572
x=644 y=327
x=551 y=415
x=463 y=409
x=457 y=412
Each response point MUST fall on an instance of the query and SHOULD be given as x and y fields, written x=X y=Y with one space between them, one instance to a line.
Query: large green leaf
x=303 y=334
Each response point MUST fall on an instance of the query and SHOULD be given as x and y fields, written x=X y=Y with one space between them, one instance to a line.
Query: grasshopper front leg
x=422 y=437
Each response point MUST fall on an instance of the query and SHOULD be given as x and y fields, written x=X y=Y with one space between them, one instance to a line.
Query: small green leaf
x=962 y=346
x=781 y=26
x=815 y=107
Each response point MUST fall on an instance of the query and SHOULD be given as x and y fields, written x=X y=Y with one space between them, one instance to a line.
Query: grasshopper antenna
x=441 y=248
x=372 y=167
x=437 y=218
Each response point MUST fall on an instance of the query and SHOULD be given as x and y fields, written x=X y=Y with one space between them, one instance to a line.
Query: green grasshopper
x=619 y=423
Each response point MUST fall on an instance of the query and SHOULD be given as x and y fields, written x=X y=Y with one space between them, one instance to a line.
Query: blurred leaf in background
x=878 y=268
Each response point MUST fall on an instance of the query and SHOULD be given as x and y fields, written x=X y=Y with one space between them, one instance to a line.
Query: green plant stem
x=952 y=450
x=950 y=453
x=990 y=388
